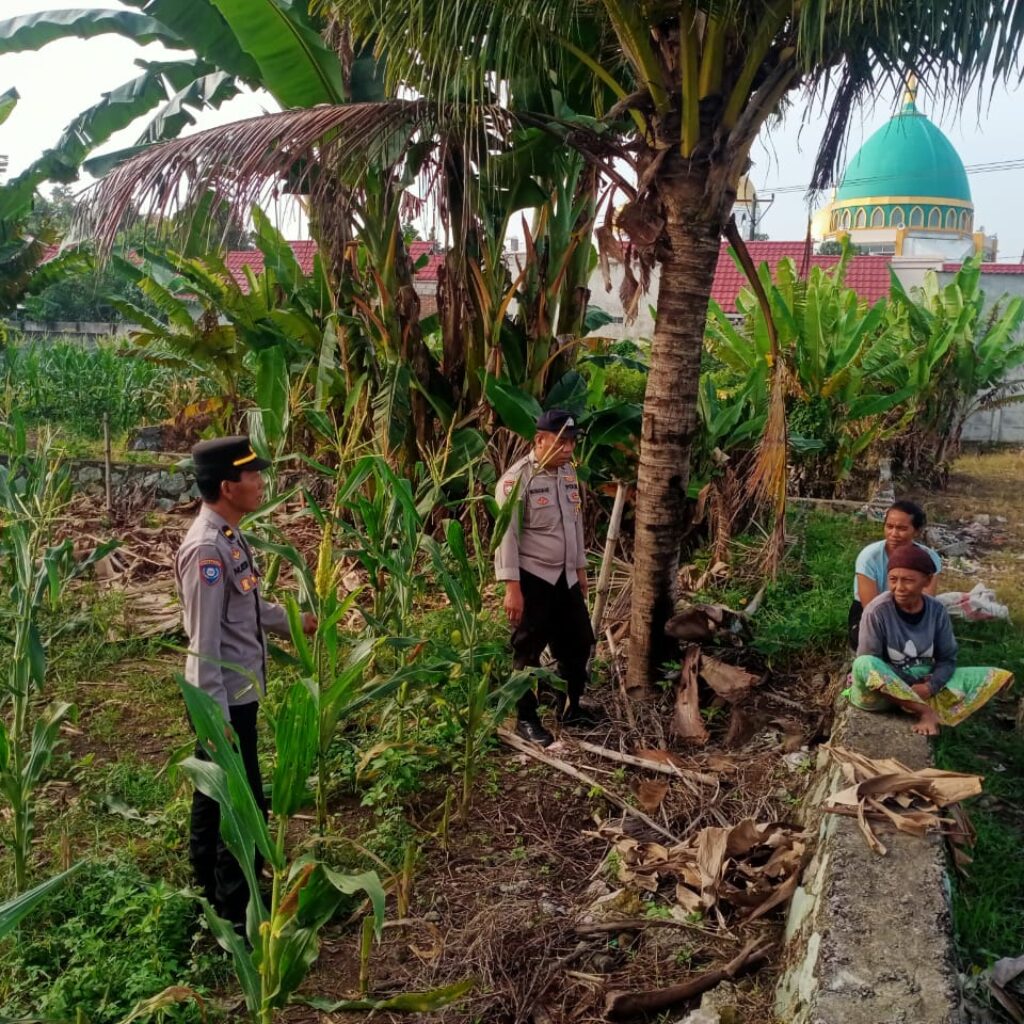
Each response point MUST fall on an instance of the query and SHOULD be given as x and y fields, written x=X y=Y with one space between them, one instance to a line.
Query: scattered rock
x=148 y=439
x=722 y=1002
x=701 y=1016
x=171 y=484
x=90 y=475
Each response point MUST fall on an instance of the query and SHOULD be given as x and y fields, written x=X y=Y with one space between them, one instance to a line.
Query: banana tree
x=965 y=353
x=275 y=325
x=838 y=355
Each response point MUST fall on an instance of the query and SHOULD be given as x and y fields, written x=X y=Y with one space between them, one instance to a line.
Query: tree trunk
x=691 y=236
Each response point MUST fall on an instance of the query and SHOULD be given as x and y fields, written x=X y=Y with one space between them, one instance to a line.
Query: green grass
x=988 y=904
x=804 y=614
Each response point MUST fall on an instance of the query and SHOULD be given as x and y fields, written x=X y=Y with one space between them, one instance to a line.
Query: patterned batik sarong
x=969 y=689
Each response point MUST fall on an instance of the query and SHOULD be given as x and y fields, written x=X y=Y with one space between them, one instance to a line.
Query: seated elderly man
x=906 y=655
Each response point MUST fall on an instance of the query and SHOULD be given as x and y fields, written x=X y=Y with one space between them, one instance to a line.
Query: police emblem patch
x=210 y=571
x=542 y=501
x=236 y=554
x=507 y=486
x=247 y=583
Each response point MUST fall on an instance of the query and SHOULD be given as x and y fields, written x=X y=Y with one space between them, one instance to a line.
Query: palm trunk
x=691 y=234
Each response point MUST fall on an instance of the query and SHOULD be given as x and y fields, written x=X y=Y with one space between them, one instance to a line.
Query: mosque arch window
x=896 y=218
x=951 y=220
x=878 y=217
x=862 y=218
x=965 y=221
x=917 y=217
x=846 y=219
x=935 y=218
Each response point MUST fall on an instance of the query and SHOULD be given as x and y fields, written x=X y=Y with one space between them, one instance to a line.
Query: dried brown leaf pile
x=886 y=791
x=737 y=873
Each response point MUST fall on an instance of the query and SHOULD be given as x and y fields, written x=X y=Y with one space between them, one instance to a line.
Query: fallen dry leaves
x=887 y=791
x=743 y=871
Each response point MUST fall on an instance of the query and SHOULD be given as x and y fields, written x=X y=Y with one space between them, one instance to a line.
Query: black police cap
x=222 y=455
x=558 y=421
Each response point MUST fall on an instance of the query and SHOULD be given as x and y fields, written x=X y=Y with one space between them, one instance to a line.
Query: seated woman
x=907 y=653
x=904 y=522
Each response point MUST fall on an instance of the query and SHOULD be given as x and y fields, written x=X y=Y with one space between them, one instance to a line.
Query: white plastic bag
x=980 y=603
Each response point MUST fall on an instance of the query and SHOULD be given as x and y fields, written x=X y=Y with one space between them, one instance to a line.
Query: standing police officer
x=225 y=618
x=543 y=562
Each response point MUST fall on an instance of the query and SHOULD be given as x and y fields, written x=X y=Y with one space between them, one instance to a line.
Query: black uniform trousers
x=216 y=870
x=554 y=615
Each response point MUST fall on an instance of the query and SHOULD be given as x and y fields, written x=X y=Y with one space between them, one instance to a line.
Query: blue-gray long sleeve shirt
x=913 y=648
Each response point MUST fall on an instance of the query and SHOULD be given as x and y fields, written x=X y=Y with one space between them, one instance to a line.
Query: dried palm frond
x=298 y=151
x=768 y=481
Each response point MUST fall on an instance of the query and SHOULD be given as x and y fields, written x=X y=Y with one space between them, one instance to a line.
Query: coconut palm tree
x=694 y=82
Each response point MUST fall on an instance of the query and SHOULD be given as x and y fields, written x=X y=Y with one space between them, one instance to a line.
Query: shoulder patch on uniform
x=227 y=531
x=211 y=570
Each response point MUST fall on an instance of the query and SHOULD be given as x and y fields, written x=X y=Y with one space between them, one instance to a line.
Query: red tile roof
x=988 y=268
x=866 y=275
x=306 y=251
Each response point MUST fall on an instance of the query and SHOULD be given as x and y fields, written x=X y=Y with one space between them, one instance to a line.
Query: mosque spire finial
x=910 y=96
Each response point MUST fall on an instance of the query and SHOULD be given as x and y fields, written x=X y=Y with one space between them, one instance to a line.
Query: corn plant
x=283 y=938
x=32 y=491
x=336 y=678
x=462 y=577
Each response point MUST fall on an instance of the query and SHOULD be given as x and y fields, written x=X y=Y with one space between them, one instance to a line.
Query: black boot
x=531 y=730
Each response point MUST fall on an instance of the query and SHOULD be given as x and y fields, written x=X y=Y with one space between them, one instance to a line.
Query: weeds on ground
x=100 y=945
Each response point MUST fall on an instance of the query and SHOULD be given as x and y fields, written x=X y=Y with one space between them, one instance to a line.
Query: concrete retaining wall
x=868 y=938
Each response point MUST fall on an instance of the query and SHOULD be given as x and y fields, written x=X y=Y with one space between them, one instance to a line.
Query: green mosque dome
x=908 y=157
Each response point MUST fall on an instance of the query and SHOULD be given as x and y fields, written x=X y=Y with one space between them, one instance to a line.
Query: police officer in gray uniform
x=225 y=619
x=543 y=562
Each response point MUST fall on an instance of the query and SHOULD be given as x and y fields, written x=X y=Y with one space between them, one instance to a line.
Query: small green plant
x=657 y=912
x=684 y=957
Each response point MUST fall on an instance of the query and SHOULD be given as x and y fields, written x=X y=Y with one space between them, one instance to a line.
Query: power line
x=992 y=167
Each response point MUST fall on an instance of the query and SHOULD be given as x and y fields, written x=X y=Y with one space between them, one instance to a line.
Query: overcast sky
x=66 y=77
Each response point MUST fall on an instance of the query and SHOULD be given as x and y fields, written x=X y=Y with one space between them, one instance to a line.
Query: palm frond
x=297 y=151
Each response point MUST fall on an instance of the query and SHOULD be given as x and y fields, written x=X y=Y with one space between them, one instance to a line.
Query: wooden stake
x=651 y=766
x=107 y=463
x=604 y=579
x=511 y=740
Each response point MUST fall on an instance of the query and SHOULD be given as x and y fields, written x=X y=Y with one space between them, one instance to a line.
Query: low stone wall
x=868 y=938
x=165 y=486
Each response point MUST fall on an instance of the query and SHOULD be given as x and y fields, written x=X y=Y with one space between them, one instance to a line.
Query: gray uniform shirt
x=914 y=649
x=224 y=614
x=545 y=536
